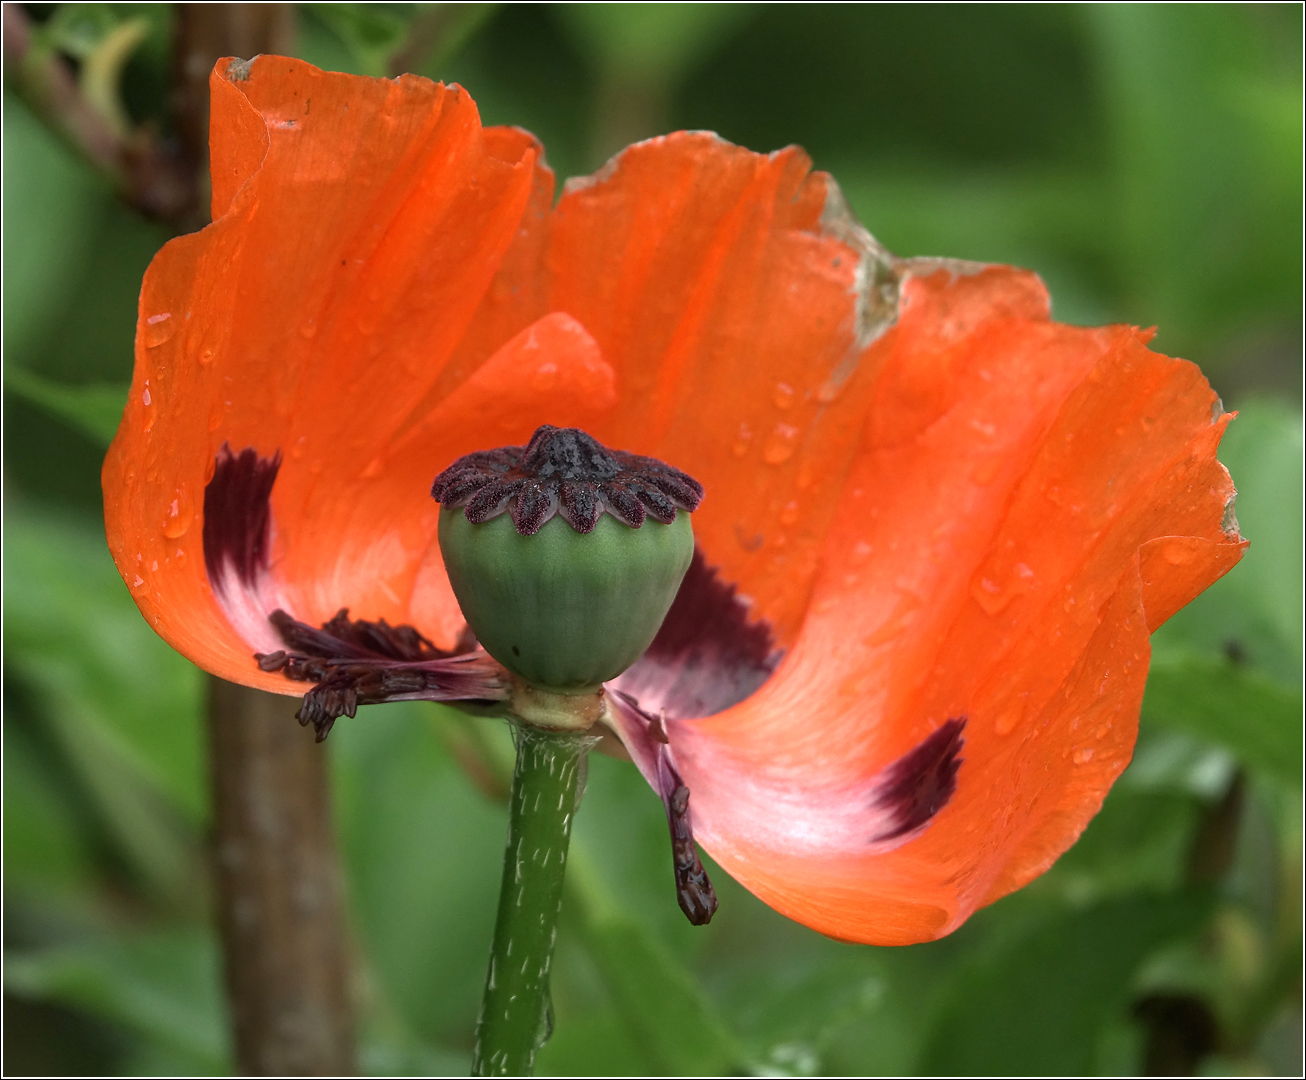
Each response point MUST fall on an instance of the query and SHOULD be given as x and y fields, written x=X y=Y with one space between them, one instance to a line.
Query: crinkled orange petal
x=974 y=513
x=1029 y=499
x=714 y=282
x=373 y=246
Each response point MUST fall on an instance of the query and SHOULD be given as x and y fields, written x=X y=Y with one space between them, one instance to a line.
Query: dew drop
x=748 y=539
x=138 y=582
x=994 y=589
x=308 y=328
x=780 y=444
x=156 y=329
x=782 y=395
x=740 y=445
x=1179 y=554
x=147 y=420
x=178 y=516
x=789 y=514
x=215 y=417
x=1007 y=720
x=206 y=354
x=1083 y=755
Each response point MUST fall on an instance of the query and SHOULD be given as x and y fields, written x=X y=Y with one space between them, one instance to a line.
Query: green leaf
x=93 y=410
x=424 y=854
x=1040 y=1004
x=662 y=1009
x=122 y=707
x=1139 y=841
x=371 y=32
x=165 y=987
x=652 y=41
x=1208 y=221
x=45 y=849
x=1255 y=717
x=53 y=203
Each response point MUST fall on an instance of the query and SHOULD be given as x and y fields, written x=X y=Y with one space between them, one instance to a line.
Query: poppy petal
x=374 y=257
x=735 y=301
x=1028 y=501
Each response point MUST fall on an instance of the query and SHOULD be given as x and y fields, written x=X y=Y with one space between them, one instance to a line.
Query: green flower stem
x=515 y=1015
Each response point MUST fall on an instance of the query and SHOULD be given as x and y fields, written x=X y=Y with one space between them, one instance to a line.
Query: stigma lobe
x=568 y=472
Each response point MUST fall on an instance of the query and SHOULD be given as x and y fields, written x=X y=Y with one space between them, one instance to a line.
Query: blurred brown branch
x=202 y=35
x=285 y=940
x=280 y=903
x=147 y=173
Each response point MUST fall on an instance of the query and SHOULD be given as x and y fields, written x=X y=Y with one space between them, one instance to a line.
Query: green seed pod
x=565 y=556
x=565 y=610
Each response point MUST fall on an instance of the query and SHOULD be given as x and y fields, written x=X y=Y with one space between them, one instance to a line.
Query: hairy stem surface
x=516 y=1019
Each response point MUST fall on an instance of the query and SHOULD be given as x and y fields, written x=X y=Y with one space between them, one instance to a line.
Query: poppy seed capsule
x=565 y=556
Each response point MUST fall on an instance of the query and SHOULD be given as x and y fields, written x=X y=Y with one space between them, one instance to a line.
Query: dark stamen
x=565 y=471
x=694 y=891
x=356 y=662
x=919 y=784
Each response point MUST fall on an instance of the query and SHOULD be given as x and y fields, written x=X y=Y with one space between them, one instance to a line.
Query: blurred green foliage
x=1145 y=159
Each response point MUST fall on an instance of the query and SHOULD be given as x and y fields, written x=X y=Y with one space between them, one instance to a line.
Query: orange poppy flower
x=907 y=663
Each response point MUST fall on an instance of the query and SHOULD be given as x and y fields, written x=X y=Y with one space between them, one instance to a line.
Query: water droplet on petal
x=1178 y=553
x=1083 y=755
x=308 y=328
x=1007 y=720
x=749 y=539
x=138 y=582
x=780 y=444
x=782 y=395
x=994 y=589
x=147 y=421
x=206 y=354
x=789 y=514
x=156 y=329
x=740 y=446
x=177 y=517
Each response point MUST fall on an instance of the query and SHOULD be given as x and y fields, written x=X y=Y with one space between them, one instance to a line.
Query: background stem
x=285 y=939
x=280 y=909
x=515 y=1018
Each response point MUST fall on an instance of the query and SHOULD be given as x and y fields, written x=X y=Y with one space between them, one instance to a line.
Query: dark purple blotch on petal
x=356 y=662
x=565 y=471
x=237 y=515
x=708 y=655
x=919 y=784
